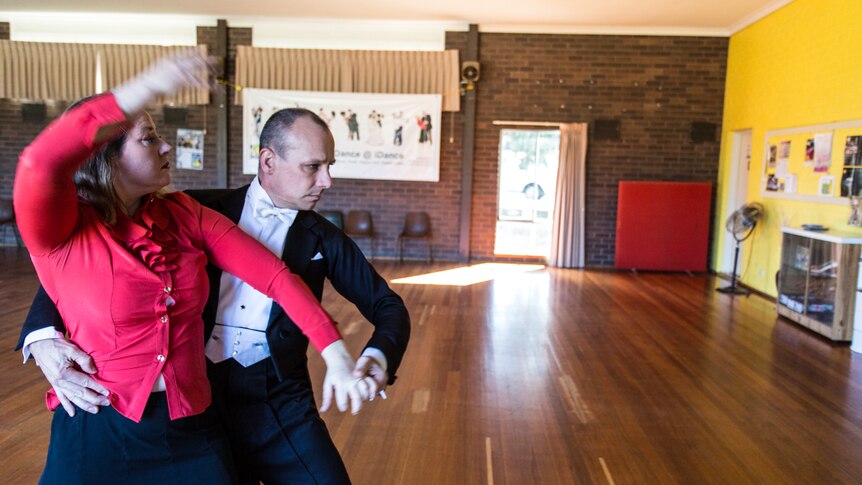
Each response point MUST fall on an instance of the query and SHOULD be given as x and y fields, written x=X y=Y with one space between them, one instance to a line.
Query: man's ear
x=266 y=160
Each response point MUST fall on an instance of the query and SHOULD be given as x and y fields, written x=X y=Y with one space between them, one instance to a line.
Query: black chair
x=335 y=217
x=7 y=217
x=359 y=225
x=417 y=226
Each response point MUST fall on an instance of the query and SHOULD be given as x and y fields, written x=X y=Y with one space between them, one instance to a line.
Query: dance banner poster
x=377 y=136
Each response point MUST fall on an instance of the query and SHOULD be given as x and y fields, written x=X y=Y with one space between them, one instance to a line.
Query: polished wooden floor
x=558 y=377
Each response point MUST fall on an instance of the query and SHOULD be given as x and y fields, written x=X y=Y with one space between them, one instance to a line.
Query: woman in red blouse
x=125 y=265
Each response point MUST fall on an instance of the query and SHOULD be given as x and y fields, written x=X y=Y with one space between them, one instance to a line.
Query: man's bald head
x=275 y=134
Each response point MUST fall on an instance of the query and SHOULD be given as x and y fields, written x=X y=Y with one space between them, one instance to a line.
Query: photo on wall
x=826 y=186
x=772 y=183
x=809 y=152
x=851 y=182
x=784 y=150
x=853 y=151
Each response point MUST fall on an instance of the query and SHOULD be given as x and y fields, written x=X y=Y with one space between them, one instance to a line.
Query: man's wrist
x=377 y=355
x=37 y=335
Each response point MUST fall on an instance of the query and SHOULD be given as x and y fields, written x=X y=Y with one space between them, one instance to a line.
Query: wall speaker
x=175 y=116
x=703 y=132
x=606 y=130
x=470 y=71
x=33 y=112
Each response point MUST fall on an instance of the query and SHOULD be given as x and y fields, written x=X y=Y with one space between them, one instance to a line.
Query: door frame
x=737 y=192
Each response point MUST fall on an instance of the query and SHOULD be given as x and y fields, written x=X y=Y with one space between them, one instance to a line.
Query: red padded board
x=663 y=226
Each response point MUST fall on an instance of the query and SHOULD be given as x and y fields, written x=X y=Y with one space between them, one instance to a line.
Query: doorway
x=525 y=194
x=737 y=191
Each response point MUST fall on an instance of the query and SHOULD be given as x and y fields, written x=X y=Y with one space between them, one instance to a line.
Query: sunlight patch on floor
x=469 y=275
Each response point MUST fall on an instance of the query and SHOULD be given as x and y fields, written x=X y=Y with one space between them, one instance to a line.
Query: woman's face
x=143 y=166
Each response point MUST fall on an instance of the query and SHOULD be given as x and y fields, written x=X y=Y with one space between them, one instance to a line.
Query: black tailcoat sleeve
x=43 y=313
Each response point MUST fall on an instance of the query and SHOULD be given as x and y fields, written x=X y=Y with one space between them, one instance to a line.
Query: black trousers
x=274 y=429
x=92 y=449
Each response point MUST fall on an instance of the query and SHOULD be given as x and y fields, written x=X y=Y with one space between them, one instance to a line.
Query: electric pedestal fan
x=741 y=224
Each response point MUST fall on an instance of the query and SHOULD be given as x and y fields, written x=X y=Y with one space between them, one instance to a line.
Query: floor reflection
x=469 y=275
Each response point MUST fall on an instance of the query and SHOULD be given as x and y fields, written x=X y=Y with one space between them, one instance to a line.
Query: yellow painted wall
x=799 y=66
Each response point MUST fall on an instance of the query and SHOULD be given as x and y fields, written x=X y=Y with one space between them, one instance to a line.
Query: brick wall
x=655 y=86
x=14 y=136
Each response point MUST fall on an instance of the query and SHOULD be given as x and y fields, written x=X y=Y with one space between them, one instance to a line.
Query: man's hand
x=368 y=366
x=62 y=362
x=339 y=383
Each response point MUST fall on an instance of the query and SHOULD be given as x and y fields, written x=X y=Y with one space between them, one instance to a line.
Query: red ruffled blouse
x=132 y=294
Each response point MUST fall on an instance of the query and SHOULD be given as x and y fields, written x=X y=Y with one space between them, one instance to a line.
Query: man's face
x=296 y=178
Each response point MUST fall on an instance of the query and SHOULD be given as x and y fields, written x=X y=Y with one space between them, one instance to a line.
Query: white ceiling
x=717 y=15
x=332 y=18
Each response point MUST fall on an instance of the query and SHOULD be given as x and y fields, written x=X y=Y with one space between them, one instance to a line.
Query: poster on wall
x=782 y=169
x=822 y=152
x=190 y=149
x=790 y=183
x=377 y=136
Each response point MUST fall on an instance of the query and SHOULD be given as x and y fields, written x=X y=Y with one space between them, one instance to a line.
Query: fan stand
x=733 y=289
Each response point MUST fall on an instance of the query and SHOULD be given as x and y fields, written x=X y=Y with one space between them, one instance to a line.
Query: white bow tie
x=264 y=210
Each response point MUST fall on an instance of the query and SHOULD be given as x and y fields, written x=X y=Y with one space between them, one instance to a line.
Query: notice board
x=815 y=163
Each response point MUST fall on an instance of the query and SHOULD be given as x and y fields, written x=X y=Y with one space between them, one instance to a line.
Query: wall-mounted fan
x=741 y=225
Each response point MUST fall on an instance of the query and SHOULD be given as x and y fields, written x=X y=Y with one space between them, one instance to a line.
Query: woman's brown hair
x=94 y=179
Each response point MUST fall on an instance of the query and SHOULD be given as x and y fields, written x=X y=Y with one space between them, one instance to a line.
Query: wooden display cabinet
x=819 y=280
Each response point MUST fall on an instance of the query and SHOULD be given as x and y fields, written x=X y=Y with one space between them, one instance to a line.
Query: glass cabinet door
x=822 y=281
x=795 y=259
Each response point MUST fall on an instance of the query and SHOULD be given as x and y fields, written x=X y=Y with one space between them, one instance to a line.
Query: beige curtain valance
x=402 y=72
x=42 y=71
x=45 y=71
x=121 y=62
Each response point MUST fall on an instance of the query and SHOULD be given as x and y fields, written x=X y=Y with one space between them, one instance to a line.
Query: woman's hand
x=186 y=68
x=340 y=383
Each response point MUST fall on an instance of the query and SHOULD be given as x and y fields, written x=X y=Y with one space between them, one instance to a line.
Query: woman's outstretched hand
x=340 y=383
x=186 y=68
